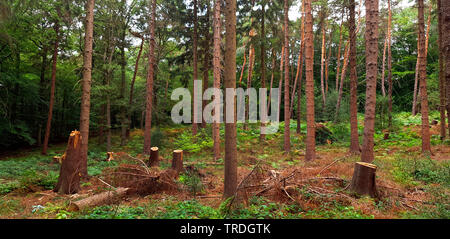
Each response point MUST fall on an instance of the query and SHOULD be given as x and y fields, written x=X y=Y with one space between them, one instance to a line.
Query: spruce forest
x=224 y=109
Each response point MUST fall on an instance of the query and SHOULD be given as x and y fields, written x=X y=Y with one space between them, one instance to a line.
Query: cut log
x=154 y=157
x=177 y=160
x=363 y=181
x=97 y=200
x=109 y=156
x=69 y=174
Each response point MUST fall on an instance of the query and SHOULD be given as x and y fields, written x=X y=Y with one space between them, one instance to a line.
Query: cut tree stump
x=97 y=200
x=109 y=156
x=69 y=174
x=363 y=181
x=154 y=157
x=177 y=160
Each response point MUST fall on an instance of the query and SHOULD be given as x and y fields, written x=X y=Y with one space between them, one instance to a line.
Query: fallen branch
x=97 y=200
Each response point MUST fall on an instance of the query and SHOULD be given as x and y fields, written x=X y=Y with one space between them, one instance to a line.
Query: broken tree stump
x=69 y=173
x=177 y=160
x=109 y=156
x=97 y=200
x=154 y=157
x=363 y=181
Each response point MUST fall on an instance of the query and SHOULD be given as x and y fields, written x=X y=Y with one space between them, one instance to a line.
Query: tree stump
x=363 y=181
x=177 y=160
x=69 y=174
x=154 y=157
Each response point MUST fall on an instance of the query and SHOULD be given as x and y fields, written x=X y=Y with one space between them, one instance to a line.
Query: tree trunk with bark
x=371 y=37
x=389 y=65
x=217 y=75
x=322 y=63
x=354 y=138
x=195 y=73
x=309 y=88
x=445 y=11
x=133 y=80
x=177 y=161
x=52 y=91
x=154 y=157
x=300 y=70
x=69 y=174
x=426 y=145
x=86 y=85
x=262 y=38
x=230 y=183
x=363 y=181
x=383 y=90
x=441 y=72
x=287 y=117
x=150 y=76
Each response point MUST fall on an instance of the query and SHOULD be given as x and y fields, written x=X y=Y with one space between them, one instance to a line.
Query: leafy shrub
x=115 y=212
x=190 y=209
x=192 y=182
x=425 y=170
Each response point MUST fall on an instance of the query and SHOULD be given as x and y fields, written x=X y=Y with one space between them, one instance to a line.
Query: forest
x=224 y=109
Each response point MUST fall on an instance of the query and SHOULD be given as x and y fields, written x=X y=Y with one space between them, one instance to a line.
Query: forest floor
x=274 y=185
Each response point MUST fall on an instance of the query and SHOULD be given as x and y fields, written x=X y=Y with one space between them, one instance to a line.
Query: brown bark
x=52 y=91
x=206 y=61
x=426 y=145
x=69 y=174
x=251 y=60
x=389 y=63
x=230 y=182
x=263 y=58
x=341 y=84
x=243 y=68
x=363 y=181
x=287 y=117
x=217 y=75
x=354 y=139
x=86 y=85
x=133 y=80
x=441 y=72
x=309 y=88
x=371 y=37
x=339 y=53
x=177 y=160
x=445 y=11
x=154 y=157
x=300 y=70
x=195 y=74
x=383 y=90
x=149 y=87
x=98 y=199
x=322 y=63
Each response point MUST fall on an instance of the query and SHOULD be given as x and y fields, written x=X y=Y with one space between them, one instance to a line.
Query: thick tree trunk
x=69 y=174
x=217 y=75
x=363 y=181
x=230 y=183
x=371 y=37
x=426 y=145
x=309 y=88
x=287 y=117
x=445 y=11
x=86 y=85
x=177 y=161
x=354 y=141
x=52 y=91
x=195 y=73
x=150 y=76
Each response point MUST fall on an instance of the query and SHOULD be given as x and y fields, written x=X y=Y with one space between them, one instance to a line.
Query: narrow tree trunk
x=371 y=37
x=389 y=67
x=133 y=80
x=339 y=53
x=300 y=70
x=299 y=66
x=123 y=115
x=149 y=87
x=341 y=85
x=217 y=75
x=441 y=71
x=287 y=117
x=383 y=90
x=445 y=11
x=52 y=91
x=206 y=60
x=426 y=146
x=309 y=88
x=194 y=50
x=263 y=60
x=230 y=183
x=69 y=174
x=86 y=85
x=249 y=83
x=354 y=141
x=322 y=63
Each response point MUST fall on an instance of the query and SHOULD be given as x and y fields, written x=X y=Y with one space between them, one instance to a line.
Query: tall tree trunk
x=263 y=59
x=322 y=61
x=217 y=75
x=133 y=80
x=230 y=183
x=309 y=88
x=300 y=69
x=371 y=37
x=195 y=113
x=441 y=72
x=389 y=65
x=445 y=12
x=251 y=61
x=327 y=61
x=341 y=84
x=426 y=146
x=206 y=61
x=123 y=115
x=287 y=117
x=354 y=141
x=86 y=85
x=339 y=53
x=383 y=90
x=52 y=91
x=150 y=76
